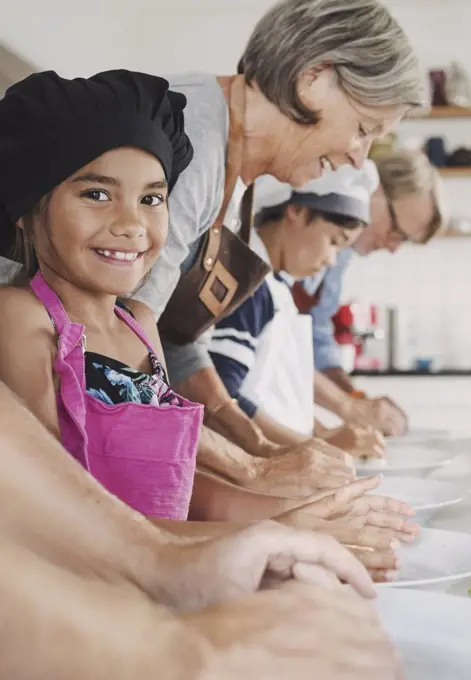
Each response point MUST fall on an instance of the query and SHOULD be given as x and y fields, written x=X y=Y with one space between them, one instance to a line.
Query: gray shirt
x=193 y=207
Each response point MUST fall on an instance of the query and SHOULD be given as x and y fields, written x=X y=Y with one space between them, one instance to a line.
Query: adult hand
x=302 y=470
x=359 y=441
x=242 y=562
x=330 y=504
x=380 y=413
x=393 y=421
x=374 y=524
x=354 y=506
x=296 y=631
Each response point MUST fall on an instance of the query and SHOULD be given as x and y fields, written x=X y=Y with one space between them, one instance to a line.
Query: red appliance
x=355 y=324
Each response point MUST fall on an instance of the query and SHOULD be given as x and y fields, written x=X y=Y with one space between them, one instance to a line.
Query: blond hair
x=372 y=57
x=406 y=172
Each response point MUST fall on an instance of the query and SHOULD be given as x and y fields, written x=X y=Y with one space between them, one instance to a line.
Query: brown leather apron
x=226 y=271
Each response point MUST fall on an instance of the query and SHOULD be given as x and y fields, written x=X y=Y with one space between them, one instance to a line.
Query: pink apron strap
x=134 y=326
x=70 y=366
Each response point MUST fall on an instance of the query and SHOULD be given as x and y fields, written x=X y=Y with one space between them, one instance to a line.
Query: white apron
x=281 y=382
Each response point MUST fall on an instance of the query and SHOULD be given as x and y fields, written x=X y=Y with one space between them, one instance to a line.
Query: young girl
x=85 y=169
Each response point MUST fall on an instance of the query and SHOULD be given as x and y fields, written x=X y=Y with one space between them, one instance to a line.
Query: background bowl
x=432 y=632
x=425 y=496
x=407 y=461
x=437 y=560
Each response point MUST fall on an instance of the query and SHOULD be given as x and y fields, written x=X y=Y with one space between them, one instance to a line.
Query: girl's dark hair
x=277 y=212
x=23 y=251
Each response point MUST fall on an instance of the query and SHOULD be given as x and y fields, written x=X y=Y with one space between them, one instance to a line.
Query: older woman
x=322 y=79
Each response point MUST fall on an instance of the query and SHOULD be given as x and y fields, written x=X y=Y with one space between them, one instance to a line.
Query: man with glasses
x=405 y=207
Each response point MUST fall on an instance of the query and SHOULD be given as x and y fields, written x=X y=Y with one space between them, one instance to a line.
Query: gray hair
x=370 y=53
x=405 y=172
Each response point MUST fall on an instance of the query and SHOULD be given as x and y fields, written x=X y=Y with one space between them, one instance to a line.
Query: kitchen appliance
x=360 y=333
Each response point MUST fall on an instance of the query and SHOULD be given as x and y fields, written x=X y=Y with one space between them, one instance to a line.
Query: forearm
x=199 y=531
x=57 y=624
x=214 y=501
x=338 y=376
x=276 y=432
x=222 y=414
x=218 y=454
x=330 y=396
x=51 y=505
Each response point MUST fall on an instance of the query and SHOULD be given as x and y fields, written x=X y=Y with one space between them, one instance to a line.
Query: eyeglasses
x=395 y=228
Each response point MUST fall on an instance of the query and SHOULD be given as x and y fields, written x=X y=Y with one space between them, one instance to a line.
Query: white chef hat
x=346 y=191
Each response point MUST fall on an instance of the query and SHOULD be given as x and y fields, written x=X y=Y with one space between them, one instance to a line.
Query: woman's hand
x=360 y=442
x=371 y=526
x=330 y=505
x=302 y=470
x=390 y=417
x=386 y=514
x=296 y=631
x=353 y=506
x=241 y=562
x=380 y=413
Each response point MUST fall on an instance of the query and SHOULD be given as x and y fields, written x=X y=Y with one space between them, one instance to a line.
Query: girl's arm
x=27 y=354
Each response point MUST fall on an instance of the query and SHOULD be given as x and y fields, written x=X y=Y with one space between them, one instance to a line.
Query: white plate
x=419 y=436
x=431 y=631
x=437 y=560
x=425 y=496
x=411 y=461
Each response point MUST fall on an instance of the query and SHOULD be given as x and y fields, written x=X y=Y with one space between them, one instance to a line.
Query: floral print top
x=112 y=382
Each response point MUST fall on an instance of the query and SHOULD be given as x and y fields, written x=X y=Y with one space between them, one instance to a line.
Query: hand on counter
x=380 y=413
x=300 y=632
x=358 y=441
x=394 y=421
x=234 y=564
x=301 y=470
x=374 y=524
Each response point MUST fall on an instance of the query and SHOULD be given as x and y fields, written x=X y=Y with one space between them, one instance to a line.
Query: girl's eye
x=95 y=195
x=363 y=131
x=153 y=200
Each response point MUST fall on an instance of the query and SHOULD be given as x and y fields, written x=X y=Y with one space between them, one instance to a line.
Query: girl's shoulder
x=21 y=311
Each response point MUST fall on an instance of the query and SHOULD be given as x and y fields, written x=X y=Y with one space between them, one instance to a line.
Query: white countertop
x=442 y=403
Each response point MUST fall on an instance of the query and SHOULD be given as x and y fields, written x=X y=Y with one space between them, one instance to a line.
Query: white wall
x=174 y=35
x=161 y=36
x=4 y=83
x=165 y=36
x=430 y=285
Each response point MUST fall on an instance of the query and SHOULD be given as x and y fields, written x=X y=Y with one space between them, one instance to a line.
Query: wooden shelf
x=445 y=112
x=453 y=233
x=455 y=172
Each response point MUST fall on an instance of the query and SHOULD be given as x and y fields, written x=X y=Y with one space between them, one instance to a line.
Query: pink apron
x=143 y=454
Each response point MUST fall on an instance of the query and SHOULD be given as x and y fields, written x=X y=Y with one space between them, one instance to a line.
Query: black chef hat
x=50 y=127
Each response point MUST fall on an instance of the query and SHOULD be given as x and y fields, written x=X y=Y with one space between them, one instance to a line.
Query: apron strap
x=51 y=302
x=135 y=327
x=233 y=168
x=69 y=366
x=246 y=214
